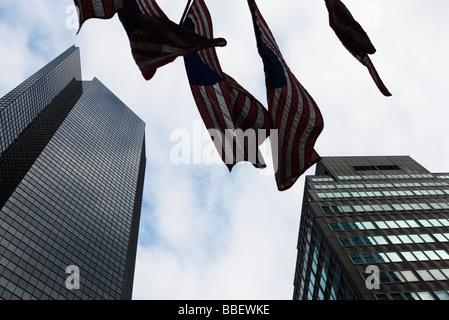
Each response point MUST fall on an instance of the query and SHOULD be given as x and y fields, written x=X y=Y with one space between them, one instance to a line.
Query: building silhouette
x=72 y=163
x=373 y=228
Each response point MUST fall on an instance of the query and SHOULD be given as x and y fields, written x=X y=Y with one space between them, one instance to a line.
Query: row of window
x=394 y=239
x=388 y=224
x=378 y=176
x=393 y=276
x=384 y=207
x=410 y=276
x=381 y=185
x=370 y=194
x=376 y=257
x=422 y=295
x=385 y=257
x=386 y=176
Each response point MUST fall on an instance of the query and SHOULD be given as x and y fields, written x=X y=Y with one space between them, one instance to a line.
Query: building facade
x=373 y=228
x=72 y=164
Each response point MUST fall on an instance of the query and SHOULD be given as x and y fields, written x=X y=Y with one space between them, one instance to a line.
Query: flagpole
x=189 y=2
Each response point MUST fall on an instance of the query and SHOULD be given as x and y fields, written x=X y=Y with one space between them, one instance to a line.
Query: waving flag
x=238 y=122
x=353 y=38
x=293 y=111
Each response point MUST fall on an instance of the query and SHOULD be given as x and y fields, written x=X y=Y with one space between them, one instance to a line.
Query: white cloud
x=209 y=234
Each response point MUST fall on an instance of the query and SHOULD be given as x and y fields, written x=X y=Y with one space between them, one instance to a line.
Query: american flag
x=101 y=9
x=227 y=109
x=293 y=111
x=353 y=38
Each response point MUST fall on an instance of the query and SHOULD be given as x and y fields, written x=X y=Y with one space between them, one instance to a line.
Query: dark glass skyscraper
x=373 y=228
x=72 y=163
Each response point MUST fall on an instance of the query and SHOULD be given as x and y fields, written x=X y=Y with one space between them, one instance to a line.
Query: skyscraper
x=373 y=228
x=72 y=163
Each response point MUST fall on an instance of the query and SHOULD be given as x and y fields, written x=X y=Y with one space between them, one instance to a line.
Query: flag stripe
x=102 y=9
x=150 y=7
x=105 y=9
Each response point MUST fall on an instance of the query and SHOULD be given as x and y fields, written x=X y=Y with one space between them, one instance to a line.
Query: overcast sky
x=210 y=234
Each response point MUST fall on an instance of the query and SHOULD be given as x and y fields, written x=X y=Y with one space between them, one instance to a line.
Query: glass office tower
x=72 y=165
x=373 y=228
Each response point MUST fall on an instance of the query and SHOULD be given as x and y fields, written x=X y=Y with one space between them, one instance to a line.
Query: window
x=380 y=240
x=368 y=240
x=346 y=225
x=425 y=275
x=431 y=254
x=381 y=224
x=445 y=272
x=382 y=296
x=443 y=254
x=396 y=276
x=392 y=224
x=440 y=237
x=396 y=296
x=425 y=223
x=437 y=274
x=435 y=206
x=412 y=223
x=411 y=296
x=345 y=241
x=394 y=239
x=405 y=238
x=326 y=209
x=408 y=256
x=424 y=295
x=427 y=238
x=369 y=258
x=368 y=225
x=356 y=259
x=336 y=209
x=358 y=226
x=335 y=226
x=381 y=257
x=357 y=241
x=435 y=223
x=384 y=278
x=420 y=255
x=416 y=238
x=409 y=276
x=393 y=256
x=402 y=223
x=442 y=295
